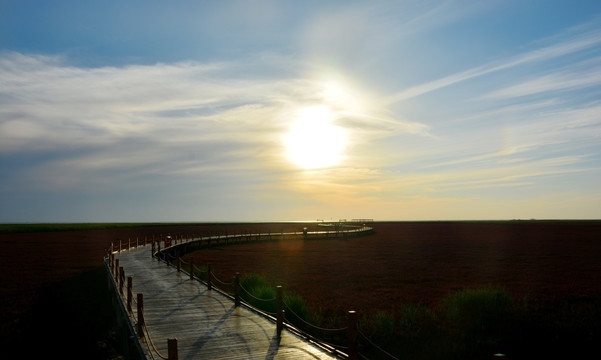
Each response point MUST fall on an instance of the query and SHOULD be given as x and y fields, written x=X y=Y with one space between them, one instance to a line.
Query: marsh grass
x=261 y=294
x=468 y=324
x=258 y=292
x=71 y=319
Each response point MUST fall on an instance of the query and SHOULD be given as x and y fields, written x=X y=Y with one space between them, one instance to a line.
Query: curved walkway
x=205 y=323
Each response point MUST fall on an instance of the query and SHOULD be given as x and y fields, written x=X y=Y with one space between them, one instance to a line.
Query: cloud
x=110 y=124
x=572 y=44
x=557 y=81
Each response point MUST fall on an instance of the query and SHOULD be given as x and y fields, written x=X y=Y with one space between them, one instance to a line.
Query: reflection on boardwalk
x=205 y=323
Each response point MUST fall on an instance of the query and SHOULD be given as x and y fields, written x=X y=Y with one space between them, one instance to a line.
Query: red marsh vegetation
x=423 y=262
x=58 y=275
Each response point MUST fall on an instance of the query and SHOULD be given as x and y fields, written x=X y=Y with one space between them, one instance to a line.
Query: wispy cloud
x=182 y=118
x=571 y=79
x=573 y=44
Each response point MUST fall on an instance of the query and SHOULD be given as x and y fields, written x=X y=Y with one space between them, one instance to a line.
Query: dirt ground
x=401 y=262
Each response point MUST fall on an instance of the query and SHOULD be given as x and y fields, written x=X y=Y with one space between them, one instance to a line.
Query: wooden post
x=279 y=310
x=140 y=302
x=352 y=335
x=209 y=283
x=191 y=268
x=237 y=289
x=116 y=269
x=129 y=293
x=119 y=246
x=171 y=349
x=128 y=243
x=152 y=253
x=121 y=275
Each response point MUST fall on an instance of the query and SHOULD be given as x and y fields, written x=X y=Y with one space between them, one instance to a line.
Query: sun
x=314 y=141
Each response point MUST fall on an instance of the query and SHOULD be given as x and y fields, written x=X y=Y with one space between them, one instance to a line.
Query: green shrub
x=477 y=321
x=262 y=294
x=383 y=327
x=415 y=320
x=296 y=310
x=200 y=272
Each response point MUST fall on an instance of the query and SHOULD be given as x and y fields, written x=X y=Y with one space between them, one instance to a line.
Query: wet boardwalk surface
x=205 y=323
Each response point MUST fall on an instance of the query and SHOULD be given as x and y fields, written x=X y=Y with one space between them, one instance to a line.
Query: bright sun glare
x=314 y=142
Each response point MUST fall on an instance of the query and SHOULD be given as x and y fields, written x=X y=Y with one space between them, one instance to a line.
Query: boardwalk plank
x=205 y=323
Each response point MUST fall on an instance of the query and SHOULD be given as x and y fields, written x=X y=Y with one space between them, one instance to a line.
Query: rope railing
x=221 y=282
x=254 y=297
x=325 y=333
x=288 y=315
x=145 y=334
x=312 y=325
x=377 y=347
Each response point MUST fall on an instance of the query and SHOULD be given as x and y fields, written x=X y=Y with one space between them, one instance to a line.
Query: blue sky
x=299 y=110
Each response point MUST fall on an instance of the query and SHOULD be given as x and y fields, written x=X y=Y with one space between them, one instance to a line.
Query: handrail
x=165 y=254
x=377 y=347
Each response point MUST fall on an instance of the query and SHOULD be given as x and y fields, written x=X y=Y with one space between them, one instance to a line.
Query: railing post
x=352 y=335
x=129 y=293
x=209 y=283
x=171 y=349
x=128 y=243
x=279 y=310
x=121 y=275
x=119 y=246
x=116 y=270
x=237 y=289
x=140 y=302
x=191 y=268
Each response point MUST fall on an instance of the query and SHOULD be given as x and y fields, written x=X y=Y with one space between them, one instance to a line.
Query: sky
x=138 y=111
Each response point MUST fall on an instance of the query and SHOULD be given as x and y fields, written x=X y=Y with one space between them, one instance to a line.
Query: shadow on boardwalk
x=205 y=323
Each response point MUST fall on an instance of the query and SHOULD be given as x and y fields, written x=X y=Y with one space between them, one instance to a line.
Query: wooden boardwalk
x=205 y=323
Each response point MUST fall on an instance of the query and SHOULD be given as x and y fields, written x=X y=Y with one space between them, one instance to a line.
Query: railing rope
x=221 y=282
x=376 y=346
